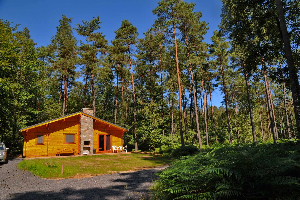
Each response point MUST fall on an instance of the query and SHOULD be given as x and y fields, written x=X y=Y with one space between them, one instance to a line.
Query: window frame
x=37 y=139
x=66 y=138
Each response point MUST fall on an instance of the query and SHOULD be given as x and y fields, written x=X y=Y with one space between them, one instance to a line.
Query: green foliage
x=265 y=171
x=166 y=150
x=20 y=84
x=185 y=151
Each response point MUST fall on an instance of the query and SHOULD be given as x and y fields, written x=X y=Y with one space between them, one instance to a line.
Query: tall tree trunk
x=226 y=104
x=269 y=122
x=184 y=101
x=204 y=110
x=38 y=108
x=179 y=86
x=291 y=118
x=282 y=126
x=236 y=114
x=206 y=116
x=93 y=93
x=116 y=103
x=60 y=91
x=285 y=106
x=292 y=70
x=162 y=88
x=212 y=112
x=286 y=112
x=65 y=93
x=260 y=113
x=250 y=107
x=162 y=96
x=134 y=103
x=272 y=120
x=85 y=89
x=93 y=84
x=172 y=119
x=127 y=103
x=261 y=125
x=191 y=109
x=122 y=99
x=194 y=95
x=272 y=106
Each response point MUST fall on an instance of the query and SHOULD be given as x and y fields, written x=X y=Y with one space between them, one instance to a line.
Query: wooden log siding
x=54 y=132
x=55 y=137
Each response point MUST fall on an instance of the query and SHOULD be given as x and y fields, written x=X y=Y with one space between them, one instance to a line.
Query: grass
x=83 y=166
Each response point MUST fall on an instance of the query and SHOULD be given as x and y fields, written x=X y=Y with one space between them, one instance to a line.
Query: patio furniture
x=65 y=151
x=115 y=148
x=125 y=148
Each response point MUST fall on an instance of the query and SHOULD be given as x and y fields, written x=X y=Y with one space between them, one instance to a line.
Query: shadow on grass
x=131 y=185
x=159 y=160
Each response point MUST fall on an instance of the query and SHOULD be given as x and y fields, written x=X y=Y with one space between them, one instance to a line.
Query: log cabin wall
x=54 y=138
x=117 y=140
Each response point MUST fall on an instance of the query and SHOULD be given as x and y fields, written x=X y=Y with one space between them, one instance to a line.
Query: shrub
x=185 y=151
x=265 y=171
x=166 y=150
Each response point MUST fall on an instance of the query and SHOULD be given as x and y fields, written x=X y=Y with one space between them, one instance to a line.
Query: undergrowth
x=262 y=171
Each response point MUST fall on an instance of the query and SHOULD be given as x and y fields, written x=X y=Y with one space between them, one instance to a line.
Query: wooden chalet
x=78 y=133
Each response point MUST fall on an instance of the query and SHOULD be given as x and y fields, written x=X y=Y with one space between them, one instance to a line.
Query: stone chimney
x=86 y=132
x=88 y=111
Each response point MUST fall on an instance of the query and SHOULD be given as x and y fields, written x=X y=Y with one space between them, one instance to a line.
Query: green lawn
x=83 y=166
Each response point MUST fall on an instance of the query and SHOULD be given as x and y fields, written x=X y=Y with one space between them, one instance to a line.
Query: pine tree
x=126 y=37
x=193 y=31
x=168 y=14
x=220 y=50
x=91 y=52
x=290 y=61
x=65 y=56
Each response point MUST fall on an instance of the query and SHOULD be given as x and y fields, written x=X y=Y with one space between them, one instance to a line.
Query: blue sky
x=42 y=17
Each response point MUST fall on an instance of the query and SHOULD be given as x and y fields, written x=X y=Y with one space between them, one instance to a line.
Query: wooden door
x=101 y=142
x=108 y=143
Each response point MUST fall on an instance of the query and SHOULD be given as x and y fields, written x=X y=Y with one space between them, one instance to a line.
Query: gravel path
x=18 y=184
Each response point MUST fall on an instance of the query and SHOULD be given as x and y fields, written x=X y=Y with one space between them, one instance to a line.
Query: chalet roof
x=72 y=115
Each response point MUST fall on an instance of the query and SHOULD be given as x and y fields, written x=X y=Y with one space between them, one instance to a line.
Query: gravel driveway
x=18 y=184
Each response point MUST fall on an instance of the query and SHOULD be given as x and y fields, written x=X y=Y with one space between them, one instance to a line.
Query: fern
x=265 y=171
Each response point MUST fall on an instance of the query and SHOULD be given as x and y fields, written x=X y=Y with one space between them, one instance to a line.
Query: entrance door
x=108 y=147
x=104 y=142
x=101 y=142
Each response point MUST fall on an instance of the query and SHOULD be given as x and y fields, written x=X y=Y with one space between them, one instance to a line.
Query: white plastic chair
x=121 y=148
x=125 y=148
x=115 y=149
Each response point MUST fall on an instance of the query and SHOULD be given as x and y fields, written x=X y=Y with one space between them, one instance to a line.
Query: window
x=40 y=139
x=70 y=138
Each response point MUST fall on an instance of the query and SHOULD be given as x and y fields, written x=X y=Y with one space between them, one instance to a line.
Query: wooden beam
x=47 y=137
x=79 y=133
x=25 y=141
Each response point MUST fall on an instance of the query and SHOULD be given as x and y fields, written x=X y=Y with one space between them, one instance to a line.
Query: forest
x=159 y=84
